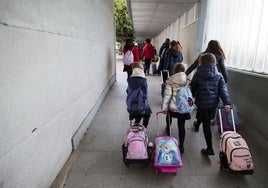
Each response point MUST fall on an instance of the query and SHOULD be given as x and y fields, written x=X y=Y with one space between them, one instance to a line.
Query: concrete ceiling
x=150 y=17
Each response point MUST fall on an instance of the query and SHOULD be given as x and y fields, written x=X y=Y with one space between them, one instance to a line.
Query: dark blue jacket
x=208 y=86
x=171 y=58
x=135 y=83
x=163 y=49
x=220 y=65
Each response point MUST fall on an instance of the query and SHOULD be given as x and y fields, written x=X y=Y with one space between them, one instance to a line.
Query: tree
x=123 y=25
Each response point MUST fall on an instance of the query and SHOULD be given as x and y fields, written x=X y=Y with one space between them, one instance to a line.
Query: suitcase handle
x=233 y=121
x=157 y=125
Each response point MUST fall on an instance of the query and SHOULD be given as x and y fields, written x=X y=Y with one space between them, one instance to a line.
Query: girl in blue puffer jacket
x=207 y=87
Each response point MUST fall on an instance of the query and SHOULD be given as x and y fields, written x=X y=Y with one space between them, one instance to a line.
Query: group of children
x=207 y=87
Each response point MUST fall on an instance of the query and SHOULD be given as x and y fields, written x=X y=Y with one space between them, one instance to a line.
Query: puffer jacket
x=207 y=86
x=174 y=83
x=137 y=80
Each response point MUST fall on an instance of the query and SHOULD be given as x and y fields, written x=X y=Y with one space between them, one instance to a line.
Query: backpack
x=136 y=142
x=136 y=100
x=184 y=100
x=128 y=58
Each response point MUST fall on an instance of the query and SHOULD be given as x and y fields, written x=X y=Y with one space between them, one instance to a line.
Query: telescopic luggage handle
x=157 y=125
x=233 y=121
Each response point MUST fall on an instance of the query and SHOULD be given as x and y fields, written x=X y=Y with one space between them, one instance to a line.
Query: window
x=240 y=26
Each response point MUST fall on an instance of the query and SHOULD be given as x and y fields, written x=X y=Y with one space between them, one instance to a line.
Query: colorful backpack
x=136 y=142
x=184 y=100
x=128 y=58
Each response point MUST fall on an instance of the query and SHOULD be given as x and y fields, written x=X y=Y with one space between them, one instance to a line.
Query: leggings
x=145 y=117
x=129 y=71
x=147 y=63
x=181 y=128
x=207 y=133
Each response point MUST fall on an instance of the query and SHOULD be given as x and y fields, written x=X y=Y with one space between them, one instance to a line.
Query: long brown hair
x=215 y=48
x=174 y=43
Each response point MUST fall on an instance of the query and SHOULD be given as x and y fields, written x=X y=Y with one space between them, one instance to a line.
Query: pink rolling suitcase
x=136 y=149
x=167 y=157
x=234 y=151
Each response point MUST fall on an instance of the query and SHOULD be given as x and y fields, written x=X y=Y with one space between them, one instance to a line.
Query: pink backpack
x=136 y=142
x=234 y=151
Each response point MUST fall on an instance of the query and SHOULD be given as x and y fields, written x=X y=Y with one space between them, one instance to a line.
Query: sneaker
x=196 y=127
x=207 y=151
x=167 y=130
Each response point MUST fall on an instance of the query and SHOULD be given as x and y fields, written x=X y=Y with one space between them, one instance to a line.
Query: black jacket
x=163 y=49
x=207 y=86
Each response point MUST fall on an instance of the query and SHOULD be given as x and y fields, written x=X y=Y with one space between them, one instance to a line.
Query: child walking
x=207 y=87
x=169 y=104
x=137 y=96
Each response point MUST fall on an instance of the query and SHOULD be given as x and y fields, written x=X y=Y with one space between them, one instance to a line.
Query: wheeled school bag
x=135 y=149
x=167 y=156
x=234 y=151
x=227 y=119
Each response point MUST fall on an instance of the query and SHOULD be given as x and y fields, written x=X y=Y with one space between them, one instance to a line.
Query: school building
x=63 y=116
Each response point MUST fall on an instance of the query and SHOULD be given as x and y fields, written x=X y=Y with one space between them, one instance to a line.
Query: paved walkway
x=100 y=165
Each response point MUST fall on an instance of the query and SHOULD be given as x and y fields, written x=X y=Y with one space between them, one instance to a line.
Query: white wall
x=57 y=58
x=187 y=35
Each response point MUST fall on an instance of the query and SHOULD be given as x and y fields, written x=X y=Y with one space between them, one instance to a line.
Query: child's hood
x=178 y=79
x=207 y=71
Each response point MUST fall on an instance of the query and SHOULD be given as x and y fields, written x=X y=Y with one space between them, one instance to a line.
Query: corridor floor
x=99 y=164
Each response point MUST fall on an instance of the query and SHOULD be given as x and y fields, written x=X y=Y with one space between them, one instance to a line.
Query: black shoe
x=168 y=130
x=196 y=126
x=207 y=151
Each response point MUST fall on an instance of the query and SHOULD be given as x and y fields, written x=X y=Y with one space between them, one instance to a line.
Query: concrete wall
x=187 y=36
x=57 y=62
x=249 y=92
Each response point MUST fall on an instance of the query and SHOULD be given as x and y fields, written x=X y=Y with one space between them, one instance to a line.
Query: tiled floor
x=100 y=165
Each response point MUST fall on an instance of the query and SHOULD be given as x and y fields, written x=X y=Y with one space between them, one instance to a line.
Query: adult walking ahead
x=129 y=46
x=173 y=56
x=215 y=48
x=164 y=48
x=147 y=55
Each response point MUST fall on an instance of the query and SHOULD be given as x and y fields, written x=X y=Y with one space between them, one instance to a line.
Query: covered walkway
x=99 y=162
